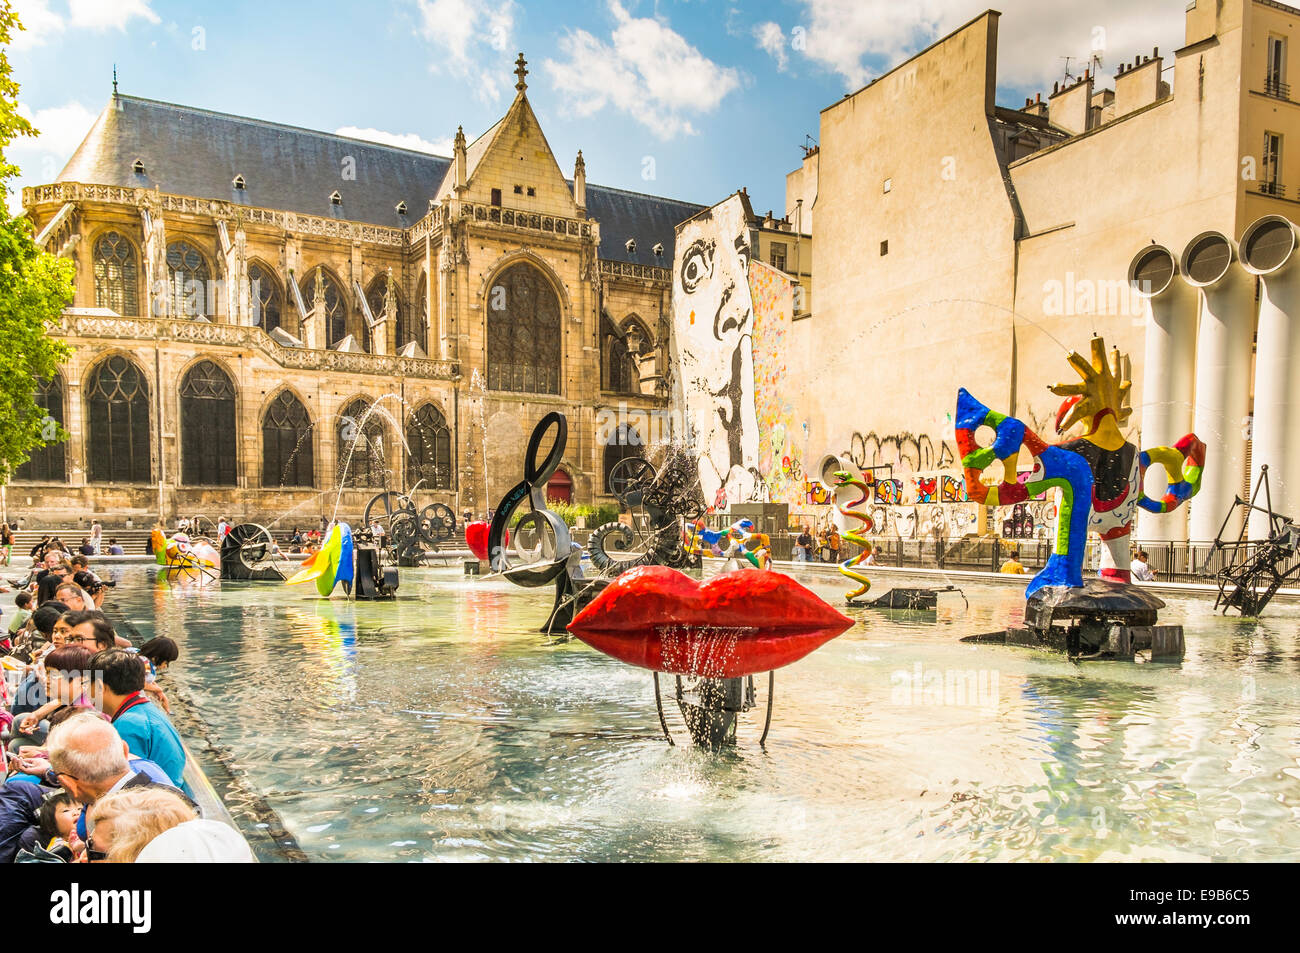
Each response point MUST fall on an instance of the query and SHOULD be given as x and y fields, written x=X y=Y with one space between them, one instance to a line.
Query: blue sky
x=686 y=98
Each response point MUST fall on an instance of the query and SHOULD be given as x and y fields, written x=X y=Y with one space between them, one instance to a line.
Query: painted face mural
x=712 y=338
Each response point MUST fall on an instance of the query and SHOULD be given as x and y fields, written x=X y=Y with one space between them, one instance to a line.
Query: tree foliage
x=34 y=288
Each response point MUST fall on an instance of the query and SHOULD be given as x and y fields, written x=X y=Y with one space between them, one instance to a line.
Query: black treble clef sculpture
x=551 y=562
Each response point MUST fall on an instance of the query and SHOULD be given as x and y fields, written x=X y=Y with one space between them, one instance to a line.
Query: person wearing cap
x=128 y=820
x=198 y=842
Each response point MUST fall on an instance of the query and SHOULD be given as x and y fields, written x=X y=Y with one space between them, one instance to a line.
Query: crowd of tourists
x=91 y=767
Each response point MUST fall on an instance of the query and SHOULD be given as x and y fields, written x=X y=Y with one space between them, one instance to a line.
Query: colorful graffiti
x=889 y=492
x=780 y=457
x=927 y=489
x=952 y=490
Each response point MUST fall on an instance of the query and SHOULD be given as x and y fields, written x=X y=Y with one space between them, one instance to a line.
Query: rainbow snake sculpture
x=844 y=478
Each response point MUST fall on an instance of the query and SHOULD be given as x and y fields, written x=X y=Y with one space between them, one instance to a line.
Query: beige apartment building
x=964 y=243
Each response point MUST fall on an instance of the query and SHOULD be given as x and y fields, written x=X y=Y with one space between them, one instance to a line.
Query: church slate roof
x=198 y=152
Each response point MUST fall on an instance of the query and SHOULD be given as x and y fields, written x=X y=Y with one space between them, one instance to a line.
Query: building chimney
x=1070 y=108
x=1139 y=86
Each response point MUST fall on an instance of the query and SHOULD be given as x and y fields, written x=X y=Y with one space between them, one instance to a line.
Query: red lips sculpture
x=736 y=624
x=476 y=537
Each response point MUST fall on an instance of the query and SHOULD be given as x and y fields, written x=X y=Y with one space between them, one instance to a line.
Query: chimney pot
x=1155 y=52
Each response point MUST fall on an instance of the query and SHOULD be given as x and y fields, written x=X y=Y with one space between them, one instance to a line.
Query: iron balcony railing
x=1275 y=87
x=1276 y=189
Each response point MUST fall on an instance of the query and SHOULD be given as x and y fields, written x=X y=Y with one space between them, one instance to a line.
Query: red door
x=560 y=487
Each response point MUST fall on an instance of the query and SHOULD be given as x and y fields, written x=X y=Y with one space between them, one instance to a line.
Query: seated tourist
x=24 y=603
x=38 y=551
x=65 y=669
x=198 y=842
x=118 y=690
x=56 y=826
x=114 y=547
x=20 y=799
x=50 y=582
x=125 y=822
x=158 y=654
x=93 y=630
x=90 y=760
x=86 y=548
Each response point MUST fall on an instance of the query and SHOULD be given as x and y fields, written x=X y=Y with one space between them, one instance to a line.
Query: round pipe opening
x=1267 y=245
x=1207 y=259
x=1152 y=271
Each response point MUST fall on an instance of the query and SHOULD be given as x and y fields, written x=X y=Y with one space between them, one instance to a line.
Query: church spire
x=521 y=70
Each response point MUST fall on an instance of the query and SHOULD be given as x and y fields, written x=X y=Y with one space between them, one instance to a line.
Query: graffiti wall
x=781 y=435
x=713 y=350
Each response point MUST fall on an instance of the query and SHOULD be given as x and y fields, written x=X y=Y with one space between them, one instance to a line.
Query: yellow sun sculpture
x=1102 y=399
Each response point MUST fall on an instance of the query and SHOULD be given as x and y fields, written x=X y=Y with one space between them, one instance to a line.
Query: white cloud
x=40 y=22
x=647 y=70
x=860 y=39
x=102 y=14
x=467 y=33
x=771 y=39
x=41 y=158
x=403 y=140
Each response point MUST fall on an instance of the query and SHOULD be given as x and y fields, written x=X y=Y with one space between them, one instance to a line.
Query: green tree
x=34 y=288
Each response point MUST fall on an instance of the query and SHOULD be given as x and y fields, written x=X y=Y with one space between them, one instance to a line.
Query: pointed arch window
x=264 y=297
x=420 y=329
x=627 y=442
x=336 y=308
x=187 y=282
x=117 y=414
x=362 y=459
x=397 y=324
x=523 y=325
x=618 y=369
x=117 y=275
x=208 y=445
x=288 y=458
x=47 y=464
x=429 y=459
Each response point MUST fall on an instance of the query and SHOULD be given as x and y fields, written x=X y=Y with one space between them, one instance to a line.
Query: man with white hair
x=90 y=760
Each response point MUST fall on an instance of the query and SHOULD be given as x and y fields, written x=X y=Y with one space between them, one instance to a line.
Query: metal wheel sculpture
x=658 y=499
x=246 y=553
x=408 y=531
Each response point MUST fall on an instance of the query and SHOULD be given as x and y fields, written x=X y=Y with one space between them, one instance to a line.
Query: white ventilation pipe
x=1226 y=325
x=1169 y=357
x=1268 y=249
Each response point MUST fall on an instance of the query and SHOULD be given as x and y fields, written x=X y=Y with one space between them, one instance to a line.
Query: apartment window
x=496 y=197
x=1275 y=80
x=884 y=248
x=888 y=186
x=519 y=190
x=531 y=190
x=1270 y=176
x=778 y=255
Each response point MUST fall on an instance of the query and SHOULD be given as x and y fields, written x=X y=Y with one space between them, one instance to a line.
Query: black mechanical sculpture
x=408 y=529
x=246 y=553
x=1255 y=569
x=658 y=501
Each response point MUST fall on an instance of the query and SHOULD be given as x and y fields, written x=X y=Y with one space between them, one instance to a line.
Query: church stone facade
x=269 y=319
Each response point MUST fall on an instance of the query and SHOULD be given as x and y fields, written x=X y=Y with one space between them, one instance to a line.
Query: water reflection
x=443 y=726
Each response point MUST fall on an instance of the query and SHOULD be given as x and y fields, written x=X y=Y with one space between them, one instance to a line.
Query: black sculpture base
x=1099 y=620
x=234 y=569
x=373 y=580
x=710 y=706
x=925 y=600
